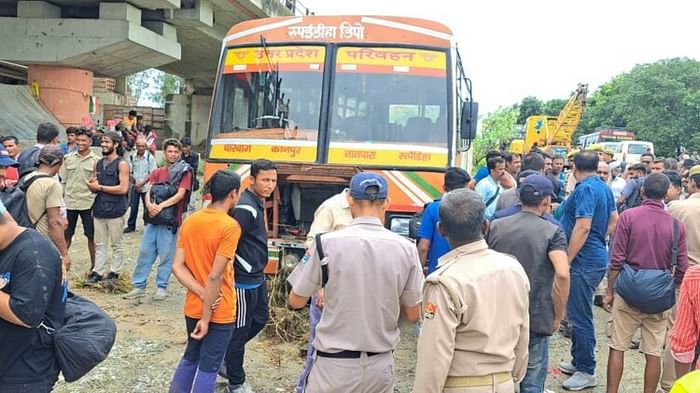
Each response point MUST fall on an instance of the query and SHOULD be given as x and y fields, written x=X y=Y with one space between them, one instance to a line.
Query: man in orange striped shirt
x=684 y=336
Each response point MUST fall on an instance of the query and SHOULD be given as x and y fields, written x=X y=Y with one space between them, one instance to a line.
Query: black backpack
x=28 y=160
x=635 y=199
x=165 y=190
x=84 y=340
x=15 y=201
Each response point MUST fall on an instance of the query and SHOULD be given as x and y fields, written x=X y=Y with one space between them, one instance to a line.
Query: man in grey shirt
x=540 y=247
x=365 y=292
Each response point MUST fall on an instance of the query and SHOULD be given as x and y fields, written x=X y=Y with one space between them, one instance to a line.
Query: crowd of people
x=501 y=263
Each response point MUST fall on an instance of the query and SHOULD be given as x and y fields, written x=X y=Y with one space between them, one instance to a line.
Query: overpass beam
x=37 y=9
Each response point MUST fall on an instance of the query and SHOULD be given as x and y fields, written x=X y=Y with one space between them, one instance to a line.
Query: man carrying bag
x=649 y=260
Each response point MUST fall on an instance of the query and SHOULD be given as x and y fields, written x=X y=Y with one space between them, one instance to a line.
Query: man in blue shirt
x=490 y=188
x=483 y=172
x=431 y=245
x=589 y=215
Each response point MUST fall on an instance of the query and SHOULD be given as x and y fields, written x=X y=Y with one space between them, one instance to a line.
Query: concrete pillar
x=177 y=110
x=37 y=9
x=200 y=119
x=120 y=11
x=64 y=91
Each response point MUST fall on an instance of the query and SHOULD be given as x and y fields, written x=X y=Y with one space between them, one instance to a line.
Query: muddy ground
x=151 y=338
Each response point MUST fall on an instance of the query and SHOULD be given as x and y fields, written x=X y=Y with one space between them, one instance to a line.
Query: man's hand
x=66 y=261
x=93 y=185
x=319 y=298
x=608 y=301
x=154 y=210
x=200 y=331
x=139 y=187
x=555 y=325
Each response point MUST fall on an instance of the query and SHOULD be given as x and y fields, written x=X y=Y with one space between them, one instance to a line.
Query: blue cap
x=362 y=181
x=5 y=159
x=537 y=186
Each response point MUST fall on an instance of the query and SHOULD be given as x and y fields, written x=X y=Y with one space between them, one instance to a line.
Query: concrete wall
x=188 y=115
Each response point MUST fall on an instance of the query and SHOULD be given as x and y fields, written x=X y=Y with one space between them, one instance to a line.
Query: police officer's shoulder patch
x=430 y=310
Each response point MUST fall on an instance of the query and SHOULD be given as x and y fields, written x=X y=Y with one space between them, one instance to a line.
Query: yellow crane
x=554 y=134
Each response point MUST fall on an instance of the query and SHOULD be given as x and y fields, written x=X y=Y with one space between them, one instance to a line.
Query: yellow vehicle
x=553 y=134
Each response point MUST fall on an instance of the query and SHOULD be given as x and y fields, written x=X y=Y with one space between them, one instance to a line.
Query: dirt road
x=151 y=338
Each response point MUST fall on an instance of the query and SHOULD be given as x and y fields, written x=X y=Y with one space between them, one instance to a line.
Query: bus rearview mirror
x=470 y=115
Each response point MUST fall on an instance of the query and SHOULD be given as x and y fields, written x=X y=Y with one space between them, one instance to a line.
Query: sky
x=517 y=48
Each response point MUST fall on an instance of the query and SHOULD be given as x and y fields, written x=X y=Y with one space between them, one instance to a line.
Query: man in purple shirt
x=644 y=240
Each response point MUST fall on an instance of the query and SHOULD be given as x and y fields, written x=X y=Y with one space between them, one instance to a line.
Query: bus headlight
x=289 y=261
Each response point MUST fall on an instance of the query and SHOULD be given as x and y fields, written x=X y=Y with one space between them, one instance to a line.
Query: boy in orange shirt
x=205 y=247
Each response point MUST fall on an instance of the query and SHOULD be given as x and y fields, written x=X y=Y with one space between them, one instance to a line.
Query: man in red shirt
x=159 y=238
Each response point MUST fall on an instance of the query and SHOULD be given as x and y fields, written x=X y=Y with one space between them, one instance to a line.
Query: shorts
x=85 y=218
x=625 y=322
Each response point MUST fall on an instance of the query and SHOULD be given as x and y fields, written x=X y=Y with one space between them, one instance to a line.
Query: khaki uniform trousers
x=494 y=383
x=366 y=374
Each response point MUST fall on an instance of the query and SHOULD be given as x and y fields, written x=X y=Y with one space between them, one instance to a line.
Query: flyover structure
x=65 y=44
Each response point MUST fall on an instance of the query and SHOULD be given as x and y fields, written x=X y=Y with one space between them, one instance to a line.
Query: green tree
x=528 y=106
x=164 y=84
x=660 y=102
x=138 y=84
x=553 y=106
x=497 y=128
x=150 y=87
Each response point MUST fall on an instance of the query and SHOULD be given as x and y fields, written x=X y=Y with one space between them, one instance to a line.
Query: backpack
x=165 y=190
x=648 y=290
x=85 y=338
x=416 y=221
x=635 y=199
x=15 y=201
x=27 y=160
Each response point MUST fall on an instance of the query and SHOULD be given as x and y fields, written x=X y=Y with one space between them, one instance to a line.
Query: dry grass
x=285 y=325
x=119 y=286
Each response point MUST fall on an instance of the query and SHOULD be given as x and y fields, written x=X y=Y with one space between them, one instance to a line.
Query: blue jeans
x=579 y=310
x=314 y=318
x=158 y=240
x=134 y=201
x=537 y=365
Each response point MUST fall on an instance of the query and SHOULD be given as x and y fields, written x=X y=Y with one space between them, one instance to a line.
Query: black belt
x=346 y=354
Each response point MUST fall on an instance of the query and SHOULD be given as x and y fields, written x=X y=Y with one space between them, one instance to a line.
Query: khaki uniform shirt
x=372 y=272
x=332 y=215
x=43 y=194
x=481 y=326
x=688 y=212
x=76 y=171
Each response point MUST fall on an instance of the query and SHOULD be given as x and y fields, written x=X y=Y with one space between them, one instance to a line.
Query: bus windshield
x=389 y=95
x=270 y=93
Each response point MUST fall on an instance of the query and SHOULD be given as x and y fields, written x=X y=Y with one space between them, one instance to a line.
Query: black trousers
x=252 y=313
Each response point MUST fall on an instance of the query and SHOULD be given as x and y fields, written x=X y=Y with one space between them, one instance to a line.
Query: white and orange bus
x=326 y=97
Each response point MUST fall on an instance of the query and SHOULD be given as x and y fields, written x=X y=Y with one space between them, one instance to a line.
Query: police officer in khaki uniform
x=475 y=309
x=373 y=276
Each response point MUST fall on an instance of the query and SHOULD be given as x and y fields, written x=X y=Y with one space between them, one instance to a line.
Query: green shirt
x=76 y=172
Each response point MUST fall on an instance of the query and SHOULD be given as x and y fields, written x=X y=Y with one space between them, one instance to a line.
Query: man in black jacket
x=249 y=262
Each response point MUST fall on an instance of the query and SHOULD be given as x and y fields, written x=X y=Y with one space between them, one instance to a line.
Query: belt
x=346 y=354
x=484 y=380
